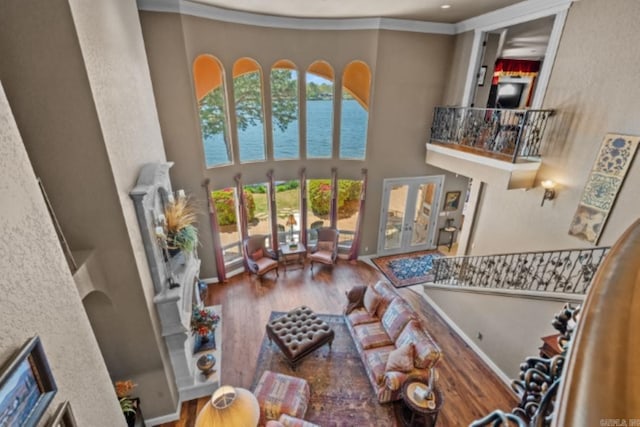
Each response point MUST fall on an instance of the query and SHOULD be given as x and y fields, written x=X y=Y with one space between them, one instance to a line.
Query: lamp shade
x=291 y=220
x=230 y=407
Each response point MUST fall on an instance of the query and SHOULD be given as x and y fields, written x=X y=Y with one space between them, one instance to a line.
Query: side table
x=415 y=412
x=292 y=254
x=452 y=233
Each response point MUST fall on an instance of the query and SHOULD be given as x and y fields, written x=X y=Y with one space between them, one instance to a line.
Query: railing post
x=523 y=121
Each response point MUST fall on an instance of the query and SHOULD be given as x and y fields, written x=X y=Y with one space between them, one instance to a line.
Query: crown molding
x=202 y=10
x=527 y=10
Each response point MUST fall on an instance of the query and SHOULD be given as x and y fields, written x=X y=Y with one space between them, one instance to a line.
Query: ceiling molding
x=201 y=10
x=527 y=10
x=524 y=11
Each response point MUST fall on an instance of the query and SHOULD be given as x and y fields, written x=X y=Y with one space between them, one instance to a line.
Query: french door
x=409 y=214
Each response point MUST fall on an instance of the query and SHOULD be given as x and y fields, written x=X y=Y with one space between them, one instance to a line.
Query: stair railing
x=567 y=271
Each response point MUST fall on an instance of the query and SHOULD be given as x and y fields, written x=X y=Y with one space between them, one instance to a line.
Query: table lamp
x=291 y=221
x=230 y=407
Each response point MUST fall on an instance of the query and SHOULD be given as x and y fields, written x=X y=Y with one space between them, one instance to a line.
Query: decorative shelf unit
x=173 y=304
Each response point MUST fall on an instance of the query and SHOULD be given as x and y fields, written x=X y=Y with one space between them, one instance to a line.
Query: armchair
x=259 y=258
x=325 y=250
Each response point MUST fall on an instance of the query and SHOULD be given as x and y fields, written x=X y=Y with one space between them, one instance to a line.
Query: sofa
x=390 y=339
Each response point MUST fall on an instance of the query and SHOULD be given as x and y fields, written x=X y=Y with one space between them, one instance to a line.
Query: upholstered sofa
x=390 y=339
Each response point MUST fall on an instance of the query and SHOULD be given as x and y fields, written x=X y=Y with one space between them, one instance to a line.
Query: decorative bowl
x=206 y=363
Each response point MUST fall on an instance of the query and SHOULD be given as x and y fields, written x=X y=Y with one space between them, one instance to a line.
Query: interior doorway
x=409 y=213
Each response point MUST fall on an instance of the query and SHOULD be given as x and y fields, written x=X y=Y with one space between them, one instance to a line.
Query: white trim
x=487 y=161
x=201 y=10
x=162 y=419
x=512 y=293
x=481 y=354
x=471 y=80
x=549 y=58
x=515 y=14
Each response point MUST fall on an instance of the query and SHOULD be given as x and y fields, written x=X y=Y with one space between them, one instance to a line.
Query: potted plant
x=128 y=404
x=203 y=321
x=181 y=234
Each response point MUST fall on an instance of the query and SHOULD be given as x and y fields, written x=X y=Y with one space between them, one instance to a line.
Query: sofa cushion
x=372 y=335
x=387 y=295
x=401 y=359
x=371 y=300
x=360 y=316
x=397 y=315
x=376 y=362
x=427 y=352
x=281 y=394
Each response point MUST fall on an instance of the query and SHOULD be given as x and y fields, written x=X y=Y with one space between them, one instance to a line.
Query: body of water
x=353 y=135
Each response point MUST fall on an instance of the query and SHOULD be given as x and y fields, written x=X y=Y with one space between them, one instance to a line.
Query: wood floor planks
x=471 y=390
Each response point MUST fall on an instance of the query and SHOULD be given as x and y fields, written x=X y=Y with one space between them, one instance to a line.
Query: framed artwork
x=602 y=187
x=26 y=386
x=452 y=200
x=63 y=417
x=482 y=74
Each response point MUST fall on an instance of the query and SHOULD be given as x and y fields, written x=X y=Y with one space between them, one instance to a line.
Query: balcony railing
x=513 y=134
x=567 y=271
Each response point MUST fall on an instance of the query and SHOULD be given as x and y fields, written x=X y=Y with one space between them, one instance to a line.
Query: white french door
x=409 y=213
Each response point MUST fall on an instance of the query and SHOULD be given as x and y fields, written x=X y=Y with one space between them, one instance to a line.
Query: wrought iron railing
x=513 y=134
x=568 y=271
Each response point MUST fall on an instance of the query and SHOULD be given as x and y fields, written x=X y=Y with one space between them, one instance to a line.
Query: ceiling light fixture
x=445 y=6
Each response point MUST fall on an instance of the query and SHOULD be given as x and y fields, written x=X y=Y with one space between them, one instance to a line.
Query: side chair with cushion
x=325 y=250
x=259 y=258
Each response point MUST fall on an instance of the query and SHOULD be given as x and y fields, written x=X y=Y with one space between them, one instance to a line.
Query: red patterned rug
x=408 y=269
x=341 y=395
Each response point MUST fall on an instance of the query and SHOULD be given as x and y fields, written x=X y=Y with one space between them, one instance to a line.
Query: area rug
x=408 y=269
x=341 y=395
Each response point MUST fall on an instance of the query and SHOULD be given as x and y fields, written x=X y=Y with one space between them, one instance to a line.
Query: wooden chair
x=325 y=250
x=259 y=258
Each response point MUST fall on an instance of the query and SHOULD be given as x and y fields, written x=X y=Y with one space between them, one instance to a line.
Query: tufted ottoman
x=298 y=333
x=279 y=394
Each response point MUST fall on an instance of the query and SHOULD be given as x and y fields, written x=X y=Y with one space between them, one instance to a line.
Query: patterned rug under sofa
x=408 y=269
x=341 y=395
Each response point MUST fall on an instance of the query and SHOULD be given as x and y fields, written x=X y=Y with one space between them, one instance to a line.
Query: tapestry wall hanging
x=603 y=184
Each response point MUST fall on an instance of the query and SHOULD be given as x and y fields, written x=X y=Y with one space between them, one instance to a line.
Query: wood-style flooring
x=471 y=390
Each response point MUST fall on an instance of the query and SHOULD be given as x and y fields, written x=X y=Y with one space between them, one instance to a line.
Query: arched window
x=208 y=77
x=284 y=110
x=356 y=82
x=319 y=82
x=247 y=92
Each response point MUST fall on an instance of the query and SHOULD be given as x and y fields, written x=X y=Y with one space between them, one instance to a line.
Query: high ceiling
x=422 y=10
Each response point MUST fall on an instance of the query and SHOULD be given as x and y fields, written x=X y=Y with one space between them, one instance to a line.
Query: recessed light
x=445 y=6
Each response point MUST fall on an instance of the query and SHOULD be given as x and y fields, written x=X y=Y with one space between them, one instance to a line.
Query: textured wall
x=511 y=327
x=457 y=71
x=408 y=69
x=38 y=294
x=594 y=88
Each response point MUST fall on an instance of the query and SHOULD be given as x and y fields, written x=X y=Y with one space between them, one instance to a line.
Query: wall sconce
x=549 y=191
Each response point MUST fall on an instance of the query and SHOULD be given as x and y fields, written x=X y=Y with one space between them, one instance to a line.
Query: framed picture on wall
x=452 y=200
x=26 y=386
x=482 y=74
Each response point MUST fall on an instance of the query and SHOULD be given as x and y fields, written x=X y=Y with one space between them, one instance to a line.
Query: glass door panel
x=422 y=214
x=396 y=202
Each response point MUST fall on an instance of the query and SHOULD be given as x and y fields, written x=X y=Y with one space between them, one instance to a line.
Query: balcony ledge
x=487 y=168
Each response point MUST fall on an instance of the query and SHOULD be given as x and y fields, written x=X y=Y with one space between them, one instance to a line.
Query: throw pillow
x=257 y=255
x=395 y=317
x=325 y=246
x=371 y=300
x=401 y=359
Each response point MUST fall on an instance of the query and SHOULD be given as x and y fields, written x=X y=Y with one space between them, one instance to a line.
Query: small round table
x=415 y=412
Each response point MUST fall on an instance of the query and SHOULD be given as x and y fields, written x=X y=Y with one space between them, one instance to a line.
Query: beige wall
x=489 y=60
x=594 y=88
x=39 y=296
x=457 y=72
x=87 y=115
x=511 y=327
x=408 y=69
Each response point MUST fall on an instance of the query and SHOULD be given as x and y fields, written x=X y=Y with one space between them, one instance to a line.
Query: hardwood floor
x=471 y=390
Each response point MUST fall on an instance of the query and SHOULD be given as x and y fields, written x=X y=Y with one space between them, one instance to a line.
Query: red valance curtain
x=303 y=207
x=274 y=214
x=355 y=246
x=215 y=230
x=514 y=67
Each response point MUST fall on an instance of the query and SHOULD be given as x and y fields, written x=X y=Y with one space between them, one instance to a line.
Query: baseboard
x=164 y=418
x=481 y=354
